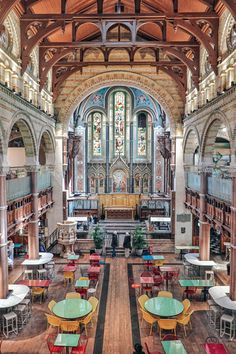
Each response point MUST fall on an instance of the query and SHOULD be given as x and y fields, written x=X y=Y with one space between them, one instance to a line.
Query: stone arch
x=123 y=78
x=216 y=121
x=190 y=143
x=27 y=132
x=12 y=25
x=49 y=142
x=226 y=24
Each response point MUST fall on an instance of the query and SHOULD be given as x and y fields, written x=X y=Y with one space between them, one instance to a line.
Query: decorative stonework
x=120 y=78
x=67 y=236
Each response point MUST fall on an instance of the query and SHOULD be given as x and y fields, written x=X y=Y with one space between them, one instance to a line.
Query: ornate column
x=204 y=234
x=33 y=228
x=3 y=237
x=86 y=159
x=107 y=160
x=152 y=188
x=131 y=177
x=233 y=242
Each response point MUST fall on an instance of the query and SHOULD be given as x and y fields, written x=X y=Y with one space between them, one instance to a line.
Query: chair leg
x=150 y=331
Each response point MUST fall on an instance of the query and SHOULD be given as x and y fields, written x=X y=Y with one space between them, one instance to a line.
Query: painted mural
x=119 y=123
x=97 y=134
x=119 y=181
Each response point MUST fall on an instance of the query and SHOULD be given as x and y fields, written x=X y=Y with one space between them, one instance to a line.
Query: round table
x=164 y=306
x=71 y=309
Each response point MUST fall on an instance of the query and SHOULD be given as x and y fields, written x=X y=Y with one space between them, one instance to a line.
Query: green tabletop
x=72 y=308
x=152 y=257
x=18 y=245
x=164 y=306
x=158 y=258
x=173 y=347
x=198 y=283
x=82 y=283
x=73 y=257
x=67 y=340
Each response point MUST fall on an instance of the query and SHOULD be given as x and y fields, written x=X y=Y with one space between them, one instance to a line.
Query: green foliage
x=139 y=241
x=97 y=235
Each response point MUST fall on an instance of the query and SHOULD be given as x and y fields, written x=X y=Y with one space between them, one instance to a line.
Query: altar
x=119 y=213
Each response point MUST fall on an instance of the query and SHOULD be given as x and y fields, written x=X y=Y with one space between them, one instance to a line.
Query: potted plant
x=97 y=235
x=139 y=241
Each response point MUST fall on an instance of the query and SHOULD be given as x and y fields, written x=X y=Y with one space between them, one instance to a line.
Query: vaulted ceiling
x=170 y=31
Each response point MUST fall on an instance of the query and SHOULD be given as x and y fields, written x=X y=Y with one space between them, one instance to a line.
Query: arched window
x=142 y=134
x=119 y=113
x=97 y=134
x=196 y=157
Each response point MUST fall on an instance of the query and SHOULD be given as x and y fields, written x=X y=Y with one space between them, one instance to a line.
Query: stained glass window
x=97 y=134
x=119 y=123
x=142 y=134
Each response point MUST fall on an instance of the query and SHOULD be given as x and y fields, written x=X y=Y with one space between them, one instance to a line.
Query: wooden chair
x=149 y=319
x=69 y=326
x=51 y=347
x=53 y=321
x=165 y=294
x=37 y=292
x=85 y=321
x=185 y=321
x=94 y=302
x=81 y=348
x=168 y=325
x=141 y=300
x=68 y=277
x=73 y=295
x=186 y=303
x=51 y=304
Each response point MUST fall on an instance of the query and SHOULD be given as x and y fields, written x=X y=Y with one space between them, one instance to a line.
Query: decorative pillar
x=33 y=228
x=204 y=234
x=3 y=238
x=232 y=291
x=86 y=159
x=152 y=187
x=107 y=160
x=131 y=177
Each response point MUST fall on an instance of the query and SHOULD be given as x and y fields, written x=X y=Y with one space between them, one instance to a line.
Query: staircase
x=121 y=227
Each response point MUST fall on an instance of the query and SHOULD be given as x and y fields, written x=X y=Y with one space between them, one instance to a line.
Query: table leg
x=67 y=350
x=181 y=255
x=205 y=292
x=167 y=275
x=186 y=290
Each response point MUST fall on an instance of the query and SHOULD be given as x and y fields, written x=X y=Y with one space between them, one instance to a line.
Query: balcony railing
x=220 y=188
x=44 y=180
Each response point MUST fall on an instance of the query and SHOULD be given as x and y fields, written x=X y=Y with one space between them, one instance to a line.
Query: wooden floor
x=117 y=336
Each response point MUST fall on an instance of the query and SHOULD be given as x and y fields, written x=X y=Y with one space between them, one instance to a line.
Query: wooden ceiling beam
x=137 y=6
x=6 y=7
x=123 y=63
x=139 y=44
x=231 y=6
x=100 y=7
x=122 y=17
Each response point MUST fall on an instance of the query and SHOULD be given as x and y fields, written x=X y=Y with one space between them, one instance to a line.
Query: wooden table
x=197 y=283
x=67 y=340
x=69 y=268
x=167 y=270
x=173 y=347
x=31 y=283
x=215 y=348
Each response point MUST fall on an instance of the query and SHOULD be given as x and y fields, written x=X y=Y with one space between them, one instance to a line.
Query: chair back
x=186 y=303
x=81 y=348
x=147 y=317
x=87 y=319
x=142 y=299
x=69 y=326
x=51 y=304
x=37 y=290
x=53 y=320
x=165 y=294
x=166 y=323
x=84 y=278
x=68 y=275
x=94 y=302
x=146 y=274
x=159 y=263
x=73 y=295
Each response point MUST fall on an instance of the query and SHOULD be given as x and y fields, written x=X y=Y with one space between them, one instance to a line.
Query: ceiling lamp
x=119 y=7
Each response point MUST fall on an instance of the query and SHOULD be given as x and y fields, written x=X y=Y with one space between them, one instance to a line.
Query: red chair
x=51 y=347
x=82 y=292
x=146 y=274
x=71 y=263
x=189 y=292
x=81 y=348
x=148 y=351
x=170 y=337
